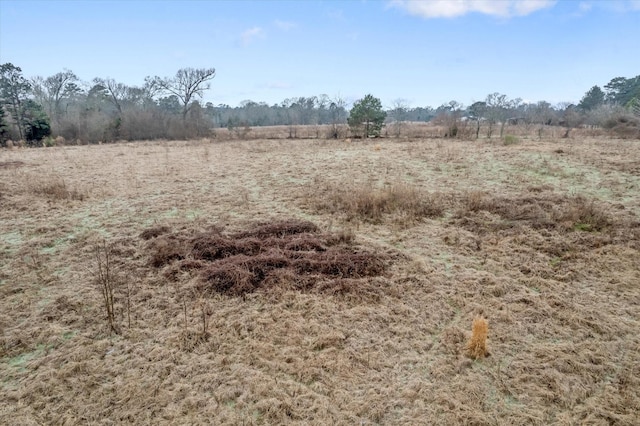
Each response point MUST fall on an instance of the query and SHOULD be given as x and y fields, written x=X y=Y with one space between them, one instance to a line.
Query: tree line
x=103 y=110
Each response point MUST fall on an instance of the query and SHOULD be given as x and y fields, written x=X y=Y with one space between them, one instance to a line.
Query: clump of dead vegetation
x=556 y=226
x=400 y=201
x=55 y=188
x=544 y=211
x=289 y=253
x=477 y=347
x=624 y=126
x=11 y=164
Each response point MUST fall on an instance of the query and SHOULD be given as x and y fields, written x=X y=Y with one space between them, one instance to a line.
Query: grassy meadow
x=277 y=281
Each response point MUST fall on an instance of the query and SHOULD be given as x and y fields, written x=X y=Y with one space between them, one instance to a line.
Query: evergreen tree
x=367 y=117
x=36 y=122
x=621 y=90
x=4 y=127
x=592 y=99
x=14 y=89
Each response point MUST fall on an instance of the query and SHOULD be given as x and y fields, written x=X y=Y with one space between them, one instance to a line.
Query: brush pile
x=289 y=253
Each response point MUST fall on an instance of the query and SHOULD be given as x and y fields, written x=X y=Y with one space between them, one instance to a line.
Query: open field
x=321 y=282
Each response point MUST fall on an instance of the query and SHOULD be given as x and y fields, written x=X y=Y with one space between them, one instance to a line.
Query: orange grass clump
x=477 y=347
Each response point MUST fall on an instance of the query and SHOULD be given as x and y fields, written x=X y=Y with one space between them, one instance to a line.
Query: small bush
x=510 y=140
x=373 y=204
x=585 y=215
x=56 y=189
x=623 y=125
x=548 y=211
x=150 y=233
x=48 y=142
x=475 y=201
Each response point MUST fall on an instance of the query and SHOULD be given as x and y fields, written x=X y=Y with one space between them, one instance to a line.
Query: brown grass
x=396 y=201
x=11 y=164
x=552 y=211
x=544 y=244
x=55 y=188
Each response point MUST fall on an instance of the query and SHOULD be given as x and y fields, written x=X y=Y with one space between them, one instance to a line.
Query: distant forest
x=39 y=109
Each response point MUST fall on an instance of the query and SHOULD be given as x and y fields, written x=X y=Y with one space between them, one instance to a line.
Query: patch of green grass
x=172 y=213
x=7 y=384
x=510 y=140
x=585 y=227
x=68 y=335
x=11 y=241
x=58 y=244
x=44 y=301
x=193 y=214
x=555 y=261
x=19 y=361
x=61 y=272
x=13 y=238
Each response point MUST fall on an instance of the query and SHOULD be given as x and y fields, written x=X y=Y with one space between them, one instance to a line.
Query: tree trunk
x=18 y=116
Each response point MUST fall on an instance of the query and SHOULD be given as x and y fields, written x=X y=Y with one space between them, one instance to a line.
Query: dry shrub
x=373 y=204
x=585 y=215
x=475 y=201
x=552 y=224
x=56 y=189
x=154 y=232
x=165 y=250
x=287 y=253
x=624 y=125
x=545 y=211
x=477 y=347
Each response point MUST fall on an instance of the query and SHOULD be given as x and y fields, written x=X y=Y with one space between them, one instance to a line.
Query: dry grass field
x=321 y=282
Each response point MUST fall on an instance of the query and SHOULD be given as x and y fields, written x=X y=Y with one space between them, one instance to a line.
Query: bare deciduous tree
x=187 y=83
x=338 y=113
x=116 y=91
x=398 y=114
x=50 y=91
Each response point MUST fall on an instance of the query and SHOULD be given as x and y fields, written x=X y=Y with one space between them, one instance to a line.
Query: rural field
x=321 y=282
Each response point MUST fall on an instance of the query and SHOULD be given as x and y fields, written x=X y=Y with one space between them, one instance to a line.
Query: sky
x=424 y=53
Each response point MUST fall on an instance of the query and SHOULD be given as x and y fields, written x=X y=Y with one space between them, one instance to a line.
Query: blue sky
x=425 y=52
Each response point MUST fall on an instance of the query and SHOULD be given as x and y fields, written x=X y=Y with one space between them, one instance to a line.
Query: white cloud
x=454 y=8
x=526 y=7
x=585 y=6
x=250 y=35
x=619 y=6
x=285 y=25
x=634 y=4
x=336 y=15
